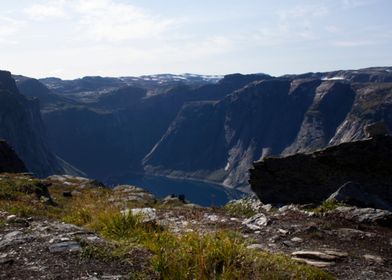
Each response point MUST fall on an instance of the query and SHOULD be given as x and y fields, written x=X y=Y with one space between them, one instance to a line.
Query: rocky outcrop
x=9 y=161
x=312 y=177
x=351 y=193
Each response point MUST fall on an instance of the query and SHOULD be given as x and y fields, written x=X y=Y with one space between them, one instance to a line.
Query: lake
x=202 y=193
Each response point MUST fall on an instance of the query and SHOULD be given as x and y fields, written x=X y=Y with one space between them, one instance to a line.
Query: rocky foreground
x=67 y=227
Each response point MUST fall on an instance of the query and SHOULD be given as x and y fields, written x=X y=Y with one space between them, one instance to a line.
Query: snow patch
x=337 y=78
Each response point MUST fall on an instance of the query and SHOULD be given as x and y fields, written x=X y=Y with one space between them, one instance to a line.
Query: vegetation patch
x=328 y=205
x=240 y=208
x=217 y=255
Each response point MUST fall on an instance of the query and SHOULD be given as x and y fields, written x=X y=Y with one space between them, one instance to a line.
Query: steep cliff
x=219 y=141
x=22 y=127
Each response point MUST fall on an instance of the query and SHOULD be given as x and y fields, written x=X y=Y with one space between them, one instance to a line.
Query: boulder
x=376 y=129
x=351 y=193
x=312 y=177
x=365 y=215
x=146 y=214
x=256 y=222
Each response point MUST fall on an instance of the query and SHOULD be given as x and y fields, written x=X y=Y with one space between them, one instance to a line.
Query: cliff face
x=220 y=140
x=312 y=177
x=22 y=127
x=9 y=161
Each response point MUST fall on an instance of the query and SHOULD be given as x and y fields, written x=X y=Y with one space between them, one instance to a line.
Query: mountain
x=22 y=127
x=218 y=141
x=208 y=128
x=109 y=133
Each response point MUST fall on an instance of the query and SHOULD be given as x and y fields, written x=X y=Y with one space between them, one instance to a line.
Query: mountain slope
x=22 y=127
x=219 y=141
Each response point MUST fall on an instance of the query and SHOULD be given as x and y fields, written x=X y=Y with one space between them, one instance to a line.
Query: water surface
x=202 y=193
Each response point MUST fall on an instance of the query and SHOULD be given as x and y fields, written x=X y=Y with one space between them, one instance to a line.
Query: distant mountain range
x=201 y=127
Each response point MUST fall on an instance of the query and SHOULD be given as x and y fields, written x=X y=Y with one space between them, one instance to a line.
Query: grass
x=221 y=255
x=217 y=255
x=241 y=208
x=328 y=205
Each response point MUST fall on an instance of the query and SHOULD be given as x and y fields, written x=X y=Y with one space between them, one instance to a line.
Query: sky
x=75 y=38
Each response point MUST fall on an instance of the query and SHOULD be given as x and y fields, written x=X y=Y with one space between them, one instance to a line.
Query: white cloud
x=105 y=20
x=47 y=10
x=356 y=3
x=303 y=12
x=296 y=24
x=102 y=20
x=353 y=43
x=9 y=26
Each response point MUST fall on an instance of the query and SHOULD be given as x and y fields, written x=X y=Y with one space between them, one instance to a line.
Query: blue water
x=205 y=194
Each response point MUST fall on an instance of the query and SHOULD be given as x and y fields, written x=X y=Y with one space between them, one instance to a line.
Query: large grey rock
x=256 y=222
x=376 y=129
x=319 y=259
x=312 y=177
x=365 y=215
x=351 y=193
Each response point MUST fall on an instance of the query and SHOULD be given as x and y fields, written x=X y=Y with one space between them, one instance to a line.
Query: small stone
x=314 y=255
x=336 y=253
x=12 y=234
x=373 y=258
x=255 y=246
x=267 y=207
x=93 y=238
x=320 y=264
x=70 y=246
x=212 y=218
x=297 y=239
x=147 y=214
x=288 y=243
x=256 y=222
x=283 y=231
x=11 y=218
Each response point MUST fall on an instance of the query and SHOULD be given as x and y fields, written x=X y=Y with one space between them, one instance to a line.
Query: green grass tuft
x=328 y=205
x=242 y=208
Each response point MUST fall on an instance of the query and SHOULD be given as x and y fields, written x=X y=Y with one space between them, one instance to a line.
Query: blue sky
x=75 y=38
